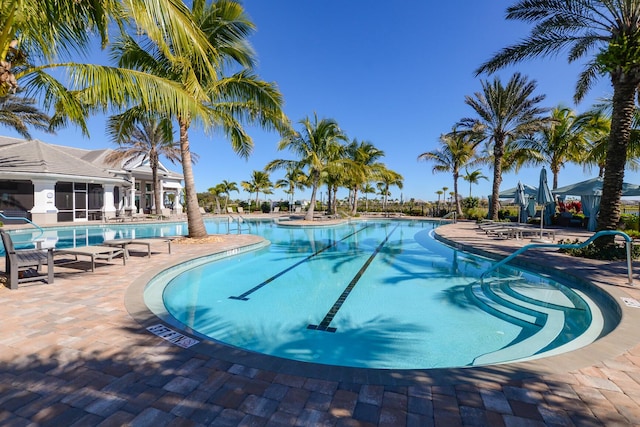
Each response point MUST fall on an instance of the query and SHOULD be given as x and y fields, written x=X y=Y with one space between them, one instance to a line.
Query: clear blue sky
x=392 y=73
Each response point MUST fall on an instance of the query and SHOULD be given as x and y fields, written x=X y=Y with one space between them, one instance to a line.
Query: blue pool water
x=377 y=294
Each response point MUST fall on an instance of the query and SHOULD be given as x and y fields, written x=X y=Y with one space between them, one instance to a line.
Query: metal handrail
x=3 y=216
x=449 y=215
x=569 y=246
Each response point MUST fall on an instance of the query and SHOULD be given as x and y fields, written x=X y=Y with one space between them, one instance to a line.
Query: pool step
x=566 y=318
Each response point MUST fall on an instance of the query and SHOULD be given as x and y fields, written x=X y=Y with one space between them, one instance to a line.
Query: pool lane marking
x=328 y=318
x=243 y=297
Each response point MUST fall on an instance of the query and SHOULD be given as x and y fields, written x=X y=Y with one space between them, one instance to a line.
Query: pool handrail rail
x=597 y=235
x=448 y=216
x=3 y=216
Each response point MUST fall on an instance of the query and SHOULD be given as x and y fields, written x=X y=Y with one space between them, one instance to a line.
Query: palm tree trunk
x=624 y=92
x=498 y=152
x=455 y=194
x=195 y=223
x=354 y=211
x=312 y=204
x=153 y=162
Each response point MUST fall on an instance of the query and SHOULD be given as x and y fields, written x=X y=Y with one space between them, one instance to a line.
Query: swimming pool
x=375 y=294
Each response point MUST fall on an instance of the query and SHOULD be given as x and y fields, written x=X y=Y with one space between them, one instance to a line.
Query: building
x=49 y=183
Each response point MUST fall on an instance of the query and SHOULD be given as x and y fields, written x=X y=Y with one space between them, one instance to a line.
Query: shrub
x=628 y=222
x=476 y=213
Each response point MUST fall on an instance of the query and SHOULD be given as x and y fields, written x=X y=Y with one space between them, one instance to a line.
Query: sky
x=392 y=73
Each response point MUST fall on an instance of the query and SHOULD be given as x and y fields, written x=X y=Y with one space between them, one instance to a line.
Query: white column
x=176 y=204
x=132 y=195
x=109 y=209
x=44 y=209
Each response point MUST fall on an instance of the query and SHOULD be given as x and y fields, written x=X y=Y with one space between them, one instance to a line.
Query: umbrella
x=520 y=199
x=544 y=197
x=511 y=192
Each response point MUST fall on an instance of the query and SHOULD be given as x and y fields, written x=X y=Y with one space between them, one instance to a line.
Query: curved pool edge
x=622 y=338
x=613 y=344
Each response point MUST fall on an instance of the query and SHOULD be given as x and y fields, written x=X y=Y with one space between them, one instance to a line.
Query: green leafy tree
x=457 y=149
x=363 y=167
x=388 y=179
x=314 y=146
x=140 y=139
x=21 y=113
x=505 y=113
x=294 y=178
x=606 y=32
x=473 y=177
x=259 y=183
x=227 y=188
x=230 y=101
x=34 y=36
x=217 y=192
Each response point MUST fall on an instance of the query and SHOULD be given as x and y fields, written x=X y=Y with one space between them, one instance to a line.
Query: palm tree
x=293 y=178
x=20 y=113
x=142 y=139
x=506 y=113
x=216 y=192
x=607 y=32
x=230 y=101
x=456 y=151
x=315 y=148
x=439 y=193
x=227 y=188
x=259 y=182
x=388 y=179
x=362 y=168
x=564 y=139
x=473 y=177
x=35 y=35
x=367 y=188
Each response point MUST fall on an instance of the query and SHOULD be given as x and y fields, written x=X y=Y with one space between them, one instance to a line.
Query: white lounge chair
x=95 y=252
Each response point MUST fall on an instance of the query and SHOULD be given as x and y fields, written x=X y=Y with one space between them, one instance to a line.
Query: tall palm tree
x=605 y=31
x=506 y=113
x=363 y=167
x=217 y=192
x=456 y=150
x=473 y=177
x=21 y=113
x=367 y=188
x=315 y=148
x=293 y=179
x=565 y=138
x=227 y=188
x=259 y=182
x=388 y=179
x=141 y=139
x=34 y=36
x=230 y=100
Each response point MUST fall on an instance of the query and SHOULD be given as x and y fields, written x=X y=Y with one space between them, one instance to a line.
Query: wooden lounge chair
x=95 y=252
x=23 y=265
x=127 y=243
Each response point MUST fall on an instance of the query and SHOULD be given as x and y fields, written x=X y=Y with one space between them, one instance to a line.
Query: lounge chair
x=229 y=209
x=23 y=265
x=240 y=209
x=276 y=209
x=95 y=252
x=127 y=243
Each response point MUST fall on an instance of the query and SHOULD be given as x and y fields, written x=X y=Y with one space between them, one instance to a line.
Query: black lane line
x=243 y=297
x=328 y=318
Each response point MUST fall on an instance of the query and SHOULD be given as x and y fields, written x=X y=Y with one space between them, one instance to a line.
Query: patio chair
x=240 y=209
x=94 y=252
x=23 y=265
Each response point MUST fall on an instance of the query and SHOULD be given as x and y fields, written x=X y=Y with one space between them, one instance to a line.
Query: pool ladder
x=239 y=220
x=569 y=246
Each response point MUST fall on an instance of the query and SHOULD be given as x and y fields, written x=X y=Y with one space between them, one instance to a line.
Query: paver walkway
x=71 y=354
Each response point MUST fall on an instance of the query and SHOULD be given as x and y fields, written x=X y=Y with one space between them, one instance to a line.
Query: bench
x=95 y=252
x=23 y=265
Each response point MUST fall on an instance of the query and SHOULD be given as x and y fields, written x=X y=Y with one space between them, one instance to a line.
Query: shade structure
x=544 y=198
x=590 y=192
x=511 y=192
x=594 y=186
x=521 y=200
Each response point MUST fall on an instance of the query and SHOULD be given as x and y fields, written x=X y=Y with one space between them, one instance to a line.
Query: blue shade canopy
x=593 y=186
x=511 y=192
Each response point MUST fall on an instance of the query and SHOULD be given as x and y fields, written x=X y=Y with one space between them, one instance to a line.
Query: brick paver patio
x=76 y=353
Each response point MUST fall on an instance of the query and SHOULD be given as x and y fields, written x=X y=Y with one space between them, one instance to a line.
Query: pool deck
x=76 y=353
